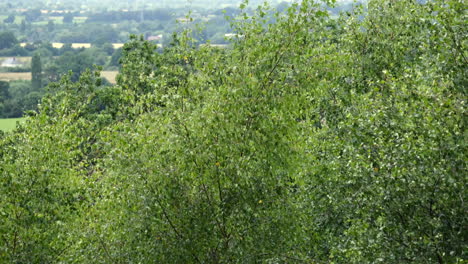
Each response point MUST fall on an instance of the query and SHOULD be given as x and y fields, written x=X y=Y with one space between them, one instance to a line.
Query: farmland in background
x=110 y=75
x=25 y=59
x=17 y=21
x=14 y=76
x=8 y=124
x=24 y=62
x=59 y=20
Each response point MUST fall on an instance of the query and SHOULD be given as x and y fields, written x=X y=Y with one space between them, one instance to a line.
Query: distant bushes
x=118 y=16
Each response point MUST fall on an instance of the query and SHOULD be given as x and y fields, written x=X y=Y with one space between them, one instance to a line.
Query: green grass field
x=17 y=21
x=8 y=124
x=59 y=20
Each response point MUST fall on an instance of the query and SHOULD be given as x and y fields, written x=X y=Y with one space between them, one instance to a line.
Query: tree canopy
x=7 y=40
x=36 y=72
x=308 y=140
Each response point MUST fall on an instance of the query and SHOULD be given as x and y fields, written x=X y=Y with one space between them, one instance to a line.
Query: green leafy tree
x=36 y=72
x=7 y=40
x=75 y=61
x=115 y=58
x=108 y=48
x=4 y=93
x=310 y=139
x=4 y=96
x=23 y=26
x=68 y=18
x=32 y=15
x=50 y=26
x=10 y=19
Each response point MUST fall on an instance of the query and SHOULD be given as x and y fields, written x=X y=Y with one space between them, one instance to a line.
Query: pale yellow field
x=117 y=45
x=110 y=75
x=14 y=76
x=58 y=45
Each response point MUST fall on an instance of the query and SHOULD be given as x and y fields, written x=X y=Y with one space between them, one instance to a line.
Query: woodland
x=309 y=139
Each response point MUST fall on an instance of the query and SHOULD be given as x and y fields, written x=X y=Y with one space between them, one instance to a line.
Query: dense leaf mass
x=309 y=140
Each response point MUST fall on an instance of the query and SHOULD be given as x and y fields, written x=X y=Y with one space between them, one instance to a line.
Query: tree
x=4 y=93
x=32 y=15
x=16 y=50
x=36 y=72
x=68 y=18
x=10 y=98
x=116 y=57
x=108 y=48
x=74 y=61
x=50 y=26
x=31 y=101
x=7 y=40
x=23 y=26
x=10 y=19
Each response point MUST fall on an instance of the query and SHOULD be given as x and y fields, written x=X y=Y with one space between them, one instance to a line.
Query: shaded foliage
x=7 y=40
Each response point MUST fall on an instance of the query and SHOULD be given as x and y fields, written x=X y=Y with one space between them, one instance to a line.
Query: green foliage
x=89 y=33
x=10 y=19
x=76 y=62
x=4 y=93
x=16 y=50
x=36 y=72
x=307 y=140
x=23 y=26
x=17 y=97
x=32 y=15
x=7 y=40
x=50 y=26
x=68 y=18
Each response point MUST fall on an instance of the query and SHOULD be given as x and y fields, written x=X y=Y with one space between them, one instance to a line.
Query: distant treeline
x=117 y=16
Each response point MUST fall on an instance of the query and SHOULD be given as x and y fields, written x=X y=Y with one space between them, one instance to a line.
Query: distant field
x=110 y=76
x=59 y=20
x=18 y=19
x=8 y=124
x=117 y=45
x=26 y=59
x=58 y=45
x=14 y=76
x=79 y=19
x=56 y=19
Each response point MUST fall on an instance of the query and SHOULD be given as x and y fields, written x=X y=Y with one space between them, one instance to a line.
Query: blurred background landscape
x=69 y=35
